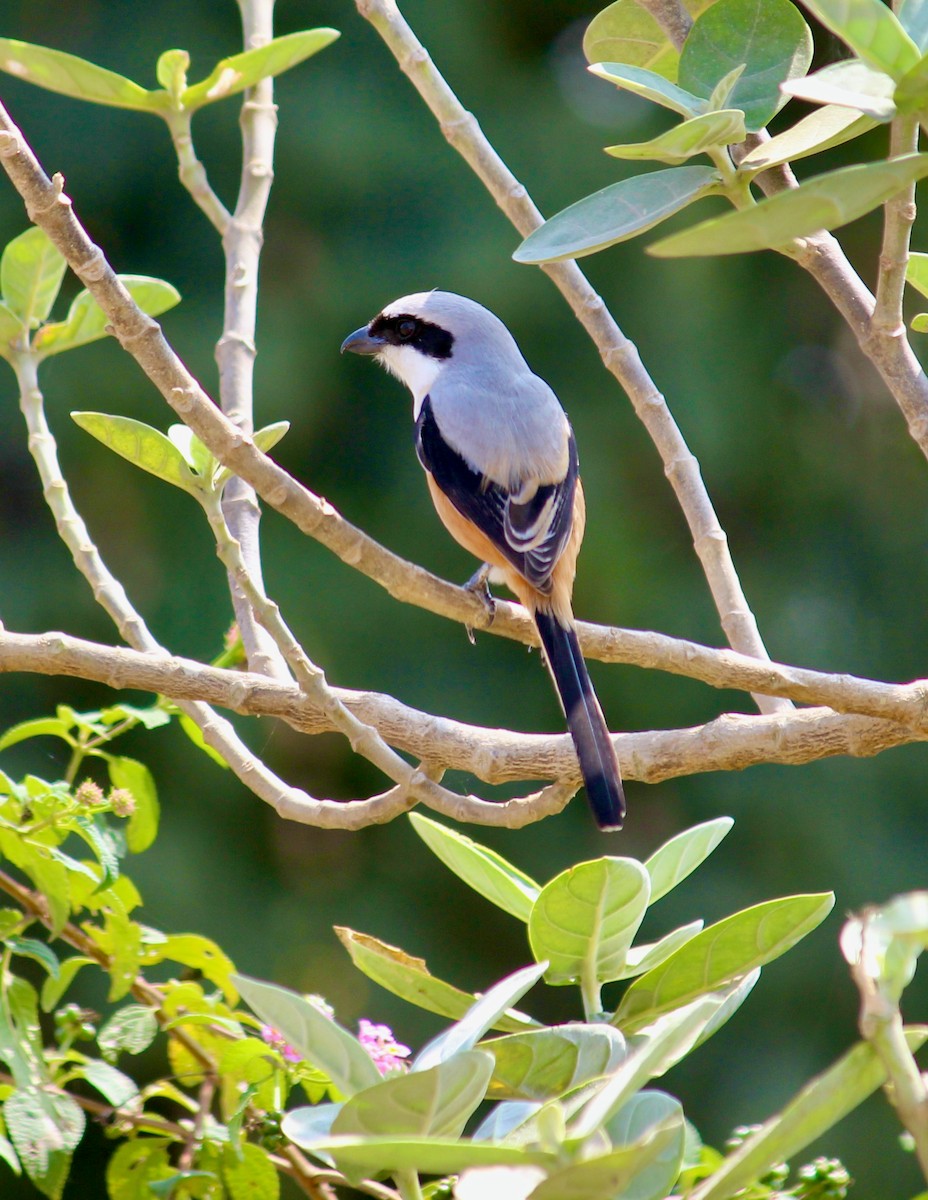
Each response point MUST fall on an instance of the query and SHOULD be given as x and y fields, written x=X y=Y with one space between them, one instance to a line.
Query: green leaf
x=824 y=202
x=872 y=31
x=369 y=1155
x=481 y=868
x=911 y=94
x=111 y=1083
x=851 y=85
x=624 y=32
x=11 y=327
x=12 y=920
x=86 y=321
x=195 y=733
x=618 y=212
x=54 y=987
x=695 y=136
x=317 y=1037
x=650 y=86
x=248 y=1173
x=546 y=1063
x=431 y=1103
x=134 y=1165
x=646 y=1111
x=647 y=955
x=153 y=717
x=671 y=863
x=724 y=952
x=812 y=1111
x=240 y=71
x=171 y=73
x=40 y=727
x=75 y=77
x=45 y=1127
x=132 y=1028
x=480 y=1017
x=916 y=272
x=202 y=954
x=409 y=977
x=622 y=1170
x=121 y=939
x=40 y=952
x=141 y=445
x=768 y=36
x=135 y=777
x=586 y=919
x=820 y=130
x=919 y=323
x=9 y=1156
x=669 y=1039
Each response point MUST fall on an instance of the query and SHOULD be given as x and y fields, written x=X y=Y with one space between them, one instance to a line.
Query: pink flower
x=276 y=1041
x=382 y=1046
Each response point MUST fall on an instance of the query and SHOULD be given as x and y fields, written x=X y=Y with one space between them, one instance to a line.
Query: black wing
x=530 y=536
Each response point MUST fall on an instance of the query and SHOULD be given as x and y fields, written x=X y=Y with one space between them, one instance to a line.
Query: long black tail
x=585 y=720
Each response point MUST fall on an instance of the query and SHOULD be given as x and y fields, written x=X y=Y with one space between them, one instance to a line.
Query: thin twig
x=899 y=217
x=619 y=354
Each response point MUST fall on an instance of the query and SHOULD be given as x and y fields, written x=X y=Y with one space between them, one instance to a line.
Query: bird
x=501 y=466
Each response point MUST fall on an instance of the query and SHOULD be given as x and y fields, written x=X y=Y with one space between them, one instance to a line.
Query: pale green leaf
x=133 y=1165
x=721 y=954
x=481 y=868
x=171 y=72
x=360 y=1156
x=54 y=987
x=131 y=1028
x=40 y=727
x=851 y=85
x=142 y=828
x=317 y=1037
x=768 y=36
x=916 y=272
x=911 y=94
x=75 y=77
x=683 y=141
x=268 y=437
x=200 y=954
x=919 y=323
x=195 y=734
x=546 y=1063
x=650 y=86
x=141 y=445
x=618 y=1172
x=724 y=88
x=671 y=863
x=647 y=955
x=248 y=1173
x=44 y=1127
x=624 y=32
x=618 y=212
x=31 y=271
x=86 y=321
x=586 y=918
x=644 y=1112
x=824 y=202
x=111 y=1083
x=481 y=1016
x=153 y=717
x=240 y=71
x=872 y=31
x=812 y=1111
x=407 y=976
x=829 y=126
x=430 y=1103
x=11 y=327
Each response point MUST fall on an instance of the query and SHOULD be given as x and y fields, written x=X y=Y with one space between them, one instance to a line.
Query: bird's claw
x=478 y=584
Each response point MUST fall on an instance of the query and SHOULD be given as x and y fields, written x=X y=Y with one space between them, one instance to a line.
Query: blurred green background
x=822 y=493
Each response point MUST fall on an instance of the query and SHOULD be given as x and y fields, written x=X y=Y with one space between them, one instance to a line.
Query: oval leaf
x=86 y=321
x=646 y=1111
x=872 y=31
x=768 y=36
x=586 y=918
x=241 y=71
x=724 y=952
x=824 y=202
x=72 y=76
x=433 y=1103
x=546 y=1063
x=136 y=778
x=820 y=130
x=616 y=1173
x=407 y=976
x=141 y=445
x=618 y=212
x=651 y=87
x=671 y=863
x=481 y=868
x=695 y=136
x=851 y=85
x=317 y=1037
x=31 y=271
x=624 y=32
x=645 y=956
x=361 y=1156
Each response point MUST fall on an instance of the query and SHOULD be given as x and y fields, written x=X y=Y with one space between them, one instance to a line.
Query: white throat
x=417 y=370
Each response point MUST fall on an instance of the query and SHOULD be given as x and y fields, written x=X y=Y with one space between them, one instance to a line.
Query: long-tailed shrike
x=501 y=466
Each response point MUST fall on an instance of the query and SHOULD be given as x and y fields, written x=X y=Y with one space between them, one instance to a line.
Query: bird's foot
x=479 y=585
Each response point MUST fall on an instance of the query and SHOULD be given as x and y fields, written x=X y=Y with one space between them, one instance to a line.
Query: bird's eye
x=406 y=329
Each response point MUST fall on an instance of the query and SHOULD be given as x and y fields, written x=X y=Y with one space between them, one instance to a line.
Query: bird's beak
x=361 y=342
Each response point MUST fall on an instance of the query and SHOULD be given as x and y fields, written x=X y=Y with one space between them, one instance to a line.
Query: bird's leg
x=479 y=585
